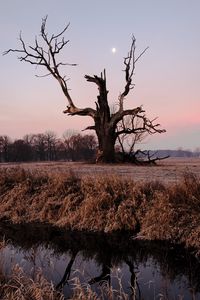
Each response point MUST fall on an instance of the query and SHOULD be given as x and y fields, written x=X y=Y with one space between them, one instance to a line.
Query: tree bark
x=106 y=141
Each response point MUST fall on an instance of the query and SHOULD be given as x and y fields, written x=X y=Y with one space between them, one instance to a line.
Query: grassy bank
x=107 y=204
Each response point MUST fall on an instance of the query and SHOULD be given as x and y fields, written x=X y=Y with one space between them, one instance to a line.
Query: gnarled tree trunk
x=106 y=152
x=102 y=122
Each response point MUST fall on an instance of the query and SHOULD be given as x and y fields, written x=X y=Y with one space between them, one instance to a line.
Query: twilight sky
x=167 y=77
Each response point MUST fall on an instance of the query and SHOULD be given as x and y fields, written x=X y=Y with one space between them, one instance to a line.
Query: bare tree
x=51 y=141
x=20 y=151
x=80 y=147
x=5 y=143
x=39 y=144
x=105 y=123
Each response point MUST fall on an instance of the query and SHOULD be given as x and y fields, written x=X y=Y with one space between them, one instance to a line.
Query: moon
x=114 y=50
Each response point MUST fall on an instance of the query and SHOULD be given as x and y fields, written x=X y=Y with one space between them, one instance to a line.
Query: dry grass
x=177 y=213
x=19 y=286
x=104 y=203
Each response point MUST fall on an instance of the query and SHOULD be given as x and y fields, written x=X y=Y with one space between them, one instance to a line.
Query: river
x=141 y=269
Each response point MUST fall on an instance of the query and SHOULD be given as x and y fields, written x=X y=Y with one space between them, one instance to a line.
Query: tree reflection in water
x=110 y=251
x=67 y=273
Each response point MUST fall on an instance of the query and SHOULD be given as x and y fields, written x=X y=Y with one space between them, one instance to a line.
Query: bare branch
x=37 y=55
x=72 y=111
x=41 y=76
x=118 y=116
x=129 y=62
x=146 y=126
x=141 y=54
x=46 y=56
x=147 y=157
x=95 y=79
x=89 y=128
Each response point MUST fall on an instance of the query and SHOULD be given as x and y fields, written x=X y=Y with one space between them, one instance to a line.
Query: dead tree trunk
x=102 y=121
x=106 y=152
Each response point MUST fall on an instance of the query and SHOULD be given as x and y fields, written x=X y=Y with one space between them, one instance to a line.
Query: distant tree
x=105 y=123
x=51 y=140
x=69 y=132
x=47 y=147
x=80 y=147
x=67 y=143
x=28 y=139
x=59 y=151
x=20 y=151
x=39 y=146
x=5 y=143
x=76 y=145
x=89 y=146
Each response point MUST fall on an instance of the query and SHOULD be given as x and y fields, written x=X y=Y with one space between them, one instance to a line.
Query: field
x=170 y=170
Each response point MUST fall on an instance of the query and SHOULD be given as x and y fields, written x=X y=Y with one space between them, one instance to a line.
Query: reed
x=104 y=203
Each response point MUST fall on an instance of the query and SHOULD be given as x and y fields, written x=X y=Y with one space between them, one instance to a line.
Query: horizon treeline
x=72 y=146
x=48 y=147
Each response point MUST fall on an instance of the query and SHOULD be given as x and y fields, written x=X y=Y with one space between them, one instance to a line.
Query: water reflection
x=144 y=270
x=68 y=270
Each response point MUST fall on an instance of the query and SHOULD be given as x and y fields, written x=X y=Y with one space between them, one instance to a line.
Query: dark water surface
x=143 y=270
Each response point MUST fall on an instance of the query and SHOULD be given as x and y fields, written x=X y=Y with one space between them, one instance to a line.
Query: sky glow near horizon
x=167 y=77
